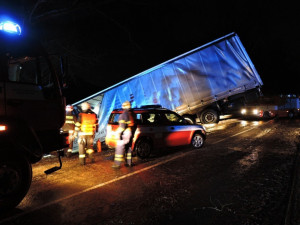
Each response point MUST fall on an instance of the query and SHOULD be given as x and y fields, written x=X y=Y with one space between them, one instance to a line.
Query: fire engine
x=32 y=111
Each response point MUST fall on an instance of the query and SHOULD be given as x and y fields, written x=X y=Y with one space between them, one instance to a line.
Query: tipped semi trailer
x=202 y=84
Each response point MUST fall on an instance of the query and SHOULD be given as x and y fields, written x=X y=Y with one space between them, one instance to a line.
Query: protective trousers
x=71 y=139
x=85 y=143
x=123 y=147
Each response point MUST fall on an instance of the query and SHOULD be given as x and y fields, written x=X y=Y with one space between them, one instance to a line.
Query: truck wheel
x=291 y=114
x=209 y=116
x=143 y=148
x=189 y=119
x=266 y=115
x=197 y=141
x=15 y=179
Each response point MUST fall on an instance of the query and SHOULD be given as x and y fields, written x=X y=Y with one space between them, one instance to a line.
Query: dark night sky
x=108 y=41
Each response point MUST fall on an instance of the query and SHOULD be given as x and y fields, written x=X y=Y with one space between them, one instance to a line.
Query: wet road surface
x=242 y=175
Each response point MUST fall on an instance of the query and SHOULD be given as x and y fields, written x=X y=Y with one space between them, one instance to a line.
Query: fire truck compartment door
x=2 y=106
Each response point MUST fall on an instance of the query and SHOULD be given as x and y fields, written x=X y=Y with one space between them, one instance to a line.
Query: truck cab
x=273 y=106
x=32 y=111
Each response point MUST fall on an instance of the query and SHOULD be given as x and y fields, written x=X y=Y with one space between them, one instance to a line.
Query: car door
x=176 y=131
x=151 y=127
x=111 y=130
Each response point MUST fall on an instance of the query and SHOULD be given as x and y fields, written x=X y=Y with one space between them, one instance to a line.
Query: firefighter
x=86 y=126
x=125 y=132
x=69 y=127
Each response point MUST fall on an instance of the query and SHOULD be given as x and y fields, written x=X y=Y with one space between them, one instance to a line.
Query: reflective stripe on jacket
x=70 y=122
x=87 y=123
x=126 y=120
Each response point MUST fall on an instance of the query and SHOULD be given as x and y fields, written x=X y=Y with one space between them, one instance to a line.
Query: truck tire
x=291 y=114
x=15 y=179
x=266 y=115
x=209 y=116
x=143 y=148
x=190 y=119
x=197 y=141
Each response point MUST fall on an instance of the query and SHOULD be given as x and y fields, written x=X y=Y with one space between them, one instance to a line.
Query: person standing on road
x=125 y=133
x=69 y=127
x=86 y=126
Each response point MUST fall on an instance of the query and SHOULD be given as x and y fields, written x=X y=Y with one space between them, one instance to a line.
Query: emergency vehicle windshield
x=31 y=70
x=23 y=61
x=22 y=58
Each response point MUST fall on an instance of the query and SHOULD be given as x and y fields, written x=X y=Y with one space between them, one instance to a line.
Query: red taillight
x=67 y=140
x=3 y=128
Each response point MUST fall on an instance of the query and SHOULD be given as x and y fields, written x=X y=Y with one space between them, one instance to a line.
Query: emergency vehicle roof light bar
x=10 y=27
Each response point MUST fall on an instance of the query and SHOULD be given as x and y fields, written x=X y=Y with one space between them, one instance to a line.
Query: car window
x=138 y=118
x=149 y=118
x=114 y=118
x=152 y=118
x=173 y=118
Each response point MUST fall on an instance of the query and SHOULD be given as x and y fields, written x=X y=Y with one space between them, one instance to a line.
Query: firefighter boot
x=69 y=153
x=82 y=159
x=90 y=153
x=129 y=158
x=92 y=158
x=115 y=166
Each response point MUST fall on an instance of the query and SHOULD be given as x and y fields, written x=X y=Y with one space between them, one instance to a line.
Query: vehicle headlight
x=3 y=127
x=243 y=111
x=255 y=111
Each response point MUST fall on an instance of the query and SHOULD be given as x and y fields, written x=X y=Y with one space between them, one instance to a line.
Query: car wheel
x=189 y=119
x=209 y=116
x=143 y=148
x=197 y=141
x=15 y=179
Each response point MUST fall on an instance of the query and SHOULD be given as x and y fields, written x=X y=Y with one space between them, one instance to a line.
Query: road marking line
x=242 y=132
x=235 y=135
x=94 y=187
x=115 y=180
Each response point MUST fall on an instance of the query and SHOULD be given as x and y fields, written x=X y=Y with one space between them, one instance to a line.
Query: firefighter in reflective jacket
x=125 y=132
x=69 y=127
x=86 y=126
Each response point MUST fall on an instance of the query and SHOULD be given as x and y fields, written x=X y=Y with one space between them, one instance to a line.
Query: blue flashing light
x=10 y=27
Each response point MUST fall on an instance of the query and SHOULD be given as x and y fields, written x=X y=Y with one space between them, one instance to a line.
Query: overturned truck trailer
x=200 y=85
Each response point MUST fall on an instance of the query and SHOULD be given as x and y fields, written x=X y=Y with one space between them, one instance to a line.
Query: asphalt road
x=242 y=175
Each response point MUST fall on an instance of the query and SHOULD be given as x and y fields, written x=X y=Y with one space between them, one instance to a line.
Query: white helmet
x=126 y=105
x=85 y=106
x=69 y=108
